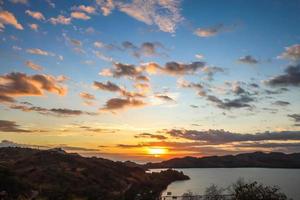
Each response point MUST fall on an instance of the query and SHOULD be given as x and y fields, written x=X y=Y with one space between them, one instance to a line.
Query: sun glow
x=157 y=151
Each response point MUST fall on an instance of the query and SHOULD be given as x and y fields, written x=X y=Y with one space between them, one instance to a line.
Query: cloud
x=143 y=87
x=209 y=32
x=33 y=66
x=38 y=52
x=291 y=77
x=174 y=68
x=35 y=15
x=211 y=71
x=199 y=148
x=147 y=49
x=164 y=97
x=34 y=27
x=181 y=69
x=130 y=145
x=199 y=56
x=248 y=59
x=296 y=118
x=115 y=104
x=98 y=130
x=281 y=103
x=111 y=87
x=164 y=14
x=50 y=3
x=149 y=135
x=66 y=112
x=121 y=70
x=197 y=86
x=9 y=18
x=6 y=99
x=19 y=84
x=269 y=145
x=80 y=15
x=291 y=53
x=87 y=9
x=87 y=96
x=170 y=68
x=60 y=19
x=221 y=136
x=142 y=78
x=75 y=42
x=102 y=56
x=10 y=126
x=19 y=1
x=238 y=90
x=240 y=102
x=99 y=44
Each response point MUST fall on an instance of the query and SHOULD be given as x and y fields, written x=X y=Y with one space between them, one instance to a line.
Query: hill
x=57 y=175
x=256 y=159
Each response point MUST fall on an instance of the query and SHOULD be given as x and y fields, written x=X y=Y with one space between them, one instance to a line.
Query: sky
x=149 y=80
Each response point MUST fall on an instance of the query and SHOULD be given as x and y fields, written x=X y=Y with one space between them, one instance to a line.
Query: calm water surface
x=287 y=179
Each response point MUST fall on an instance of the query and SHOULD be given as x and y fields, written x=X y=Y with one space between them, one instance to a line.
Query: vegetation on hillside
x=57 y=175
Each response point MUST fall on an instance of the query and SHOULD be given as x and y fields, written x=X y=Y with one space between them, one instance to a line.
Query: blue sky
x=70 y=74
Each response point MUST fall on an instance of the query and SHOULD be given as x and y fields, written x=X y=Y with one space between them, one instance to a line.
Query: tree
x=214 y=192
x=256 y=191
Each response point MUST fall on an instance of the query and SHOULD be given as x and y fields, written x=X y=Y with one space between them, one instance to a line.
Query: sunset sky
x=148 y=80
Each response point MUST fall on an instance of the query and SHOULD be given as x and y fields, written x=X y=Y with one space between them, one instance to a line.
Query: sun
x=157 y=151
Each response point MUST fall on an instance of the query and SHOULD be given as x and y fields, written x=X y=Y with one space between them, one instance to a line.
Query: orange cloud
x=79 y=15
x=20 y=84
x=38 y=52
x=87 y=96
x=9 y=18
x=35 y=15
x=87 y=9
x=33 y=66
x=34 y=27
x=119 y=104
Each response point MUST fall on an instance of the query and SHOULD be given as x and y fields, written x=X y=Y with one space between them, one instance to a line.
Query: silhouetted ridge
x=256 y=159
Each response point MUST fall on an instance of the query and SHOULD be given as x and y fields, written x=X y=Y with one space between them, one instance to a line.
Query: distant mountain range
x=56 y=175
x=256 y=159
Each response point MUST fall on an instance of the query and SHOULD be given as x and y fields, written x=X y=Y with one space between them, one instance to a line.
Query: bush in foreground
x=240 y=190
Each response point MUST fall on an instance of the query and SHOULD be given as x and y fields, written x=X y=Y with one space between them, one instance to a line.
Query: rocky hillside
x=57 y=175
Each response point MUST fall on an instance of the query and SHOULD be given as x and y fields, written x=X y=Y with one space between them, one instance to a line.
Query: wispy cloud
x=164 y=14
x=221 y=136
x=11 y=126
x=65 y=112
x=34 y=66
x=38 y=51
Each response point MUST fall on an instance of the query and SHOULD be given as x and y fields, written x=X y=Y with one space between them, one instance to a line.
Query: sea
x=201 y=178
